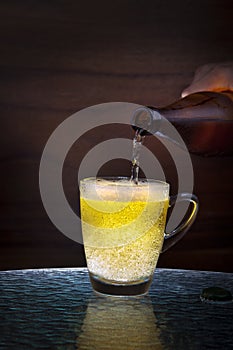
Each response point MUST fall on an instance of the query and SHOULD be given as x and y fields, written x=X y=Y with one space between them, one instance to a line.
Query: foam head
x=123 y=189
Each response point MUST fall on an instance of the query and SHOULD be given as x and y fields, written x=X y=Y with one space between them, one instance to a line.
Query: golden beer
x=123 y=228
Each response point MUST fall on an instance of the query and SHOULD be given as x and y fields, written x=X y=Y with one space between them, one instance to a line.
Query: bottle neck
x=204 y=120
x=146 y=120
x=200 y=107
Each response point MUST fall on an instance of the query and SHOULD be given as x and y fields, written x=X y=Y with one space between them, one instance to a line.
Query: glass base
x=112 y=288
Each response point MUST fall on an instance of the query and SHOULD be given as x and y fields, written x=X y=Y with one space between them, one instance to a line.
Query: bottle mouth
x=145 y=121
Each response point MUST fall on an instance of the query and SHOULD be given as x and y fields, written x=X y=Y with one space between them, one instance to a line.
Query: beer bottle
x=204 y=120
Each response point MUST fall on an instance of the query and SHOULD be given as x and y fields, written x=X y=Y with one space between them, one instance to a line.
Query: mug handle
x=170 y=238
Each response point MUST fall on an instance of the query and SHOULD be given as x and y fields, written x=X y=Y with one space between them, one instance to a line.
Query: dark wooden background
x=58 y=57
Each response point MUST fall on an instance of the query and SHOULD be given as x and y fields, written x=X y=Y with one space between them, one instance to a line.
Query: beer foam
x=124 y=189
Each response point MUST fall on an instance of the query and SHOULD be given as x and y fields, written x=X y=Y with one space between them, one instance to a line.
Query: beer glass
x=123 y=227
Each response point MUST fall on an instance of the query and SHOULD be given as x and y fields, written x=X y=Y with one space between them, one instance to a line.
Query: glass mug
x=123 y=227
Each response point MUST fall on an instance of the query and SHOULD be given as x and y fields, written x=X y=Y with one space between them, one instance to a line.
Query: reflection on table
x=57 y=309
x=112 y=323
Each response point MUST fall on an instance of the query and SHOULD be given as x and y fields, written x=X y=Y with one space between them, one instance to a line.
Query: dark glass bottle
x=204 y=120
